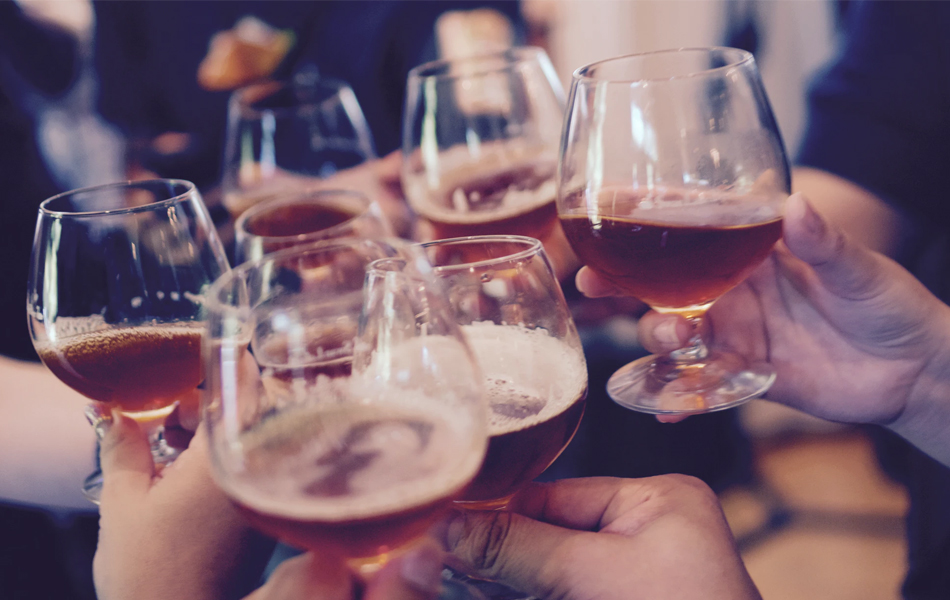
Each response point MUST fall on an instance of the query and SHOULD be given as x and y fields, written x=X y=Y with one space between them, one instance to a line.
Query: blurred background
x=92 y=93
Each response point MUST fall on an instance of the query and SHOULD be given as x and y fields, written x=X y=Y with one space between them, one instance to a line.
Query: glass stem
x=696 y=350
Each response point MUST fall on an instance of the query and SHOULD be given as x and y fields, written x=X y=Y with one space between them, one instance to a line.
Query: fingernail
x=812 y=221
x=100 y=420
x=422 y=568
x=453 y=531
x=665 y=333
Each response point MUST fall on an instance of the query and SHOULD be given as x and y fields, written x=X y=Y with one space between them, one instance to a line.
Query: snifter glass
x=480 y=139
x=307 y=217
x=285 y=136
x=344 y=408
x=671 y=185
x=115 y=299
x=505 y=297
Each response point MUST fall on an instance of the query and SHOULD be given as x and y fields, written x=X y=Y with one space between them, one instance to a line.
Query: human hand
x=852 y=336
x=412 y=576
x=379 y=180
x=605 y=538
x=173 y=534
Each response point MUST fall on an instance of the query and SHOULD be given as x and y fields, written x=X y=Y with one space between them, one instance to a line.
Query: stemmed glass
x=480 y=139
x=307 y=217
x=505 y=297
x=344 y=408
x=115 y=298
x=286 y=136
x=671 y=185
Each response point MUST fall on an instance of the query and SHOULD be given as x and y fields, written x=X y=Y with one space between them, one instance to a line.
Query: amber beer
x=537 y=390
x=355 y=479
x=137 y=369
x=687 y=254
x=516 y=200
x=296 y=219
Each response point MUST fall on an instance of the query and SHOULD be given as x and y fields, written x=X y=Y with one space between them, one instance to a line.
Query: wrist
x=925 y=419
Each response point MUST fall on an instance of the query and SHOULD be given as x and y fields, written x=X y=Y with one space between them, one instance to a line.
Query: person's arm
x=859 y=213
x=853 y=336
x=606 y=538
x=47 y=446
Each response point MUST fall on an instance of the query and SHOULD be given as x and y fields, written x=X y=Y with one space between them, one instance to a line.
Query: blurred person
x=872 y=160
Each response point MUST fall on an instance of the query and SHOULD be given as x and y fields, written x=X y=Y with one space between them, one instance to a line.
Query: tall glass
x=286 y=136
x=344 y=408
x=307 y=217
x=116 y=295
x=480 y=139
x=672 y=182
x=507 y=300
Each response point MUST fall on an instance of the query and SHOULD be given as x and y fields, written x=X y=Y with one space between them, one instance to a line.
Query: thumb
x=845 y=268
x=413 y=576
x=508 y=547
x=126 y=462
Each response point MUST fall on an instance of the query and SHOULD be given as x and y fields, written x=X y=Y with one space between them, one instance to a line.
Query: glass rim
x=189 y=191
x=249 y=111
x=512 y=56
x=743 y=57
x=533 y=246
x=212 y=302
x=311 y=197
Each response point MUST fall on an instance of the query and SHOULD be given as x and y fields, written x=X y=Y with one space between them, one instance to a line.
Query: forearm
x=862 y=215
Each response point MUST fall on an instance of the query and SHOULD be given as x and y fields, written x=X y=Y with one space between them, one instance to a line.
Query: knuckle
x=488 y=537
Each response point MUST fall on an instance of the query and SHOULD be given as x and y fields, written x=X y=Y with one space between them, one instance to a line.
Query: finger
x=845 y=268
x=305 y=577
x=593 y=285
x=413 y=576
x=126 y=462
x=587 y=503
x=662 y=333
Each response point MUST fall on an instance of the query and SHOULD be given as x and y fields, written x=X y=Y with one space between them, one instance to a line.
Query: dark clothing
x=880 y=117
x=148 y=53
x=33 y=58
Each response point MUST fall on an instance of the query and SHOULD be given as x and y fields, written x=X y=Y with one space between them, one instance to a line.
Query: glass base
x=92 y=487
x=661 y=386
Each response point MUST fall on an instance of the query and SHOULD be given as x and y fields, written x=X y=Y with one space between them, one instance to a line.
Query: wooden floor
x=823 y=523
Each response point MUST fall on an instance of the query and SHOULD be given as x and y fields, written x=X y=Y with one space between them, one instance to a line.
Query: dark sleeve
x=879 y=115
x=45 y=56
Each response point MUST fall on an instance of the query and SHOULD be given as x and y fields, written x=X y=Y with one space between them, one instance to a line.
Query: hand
x=413 y=576
x=379 y=180
x=605 y=538
x=852 y=335
x=173 y=534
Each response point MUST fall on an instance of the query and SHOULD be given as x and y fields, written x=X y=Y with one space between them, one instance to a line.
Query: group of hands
x=853 y=337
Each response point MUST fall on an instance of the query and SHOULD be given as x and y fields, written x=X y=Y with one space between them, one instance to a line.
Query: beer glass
x=480 y=139
x=307 y=217
x=672 y=183
x=116 y=295
x=344 y=408
x=286 y=136
x=507 y=300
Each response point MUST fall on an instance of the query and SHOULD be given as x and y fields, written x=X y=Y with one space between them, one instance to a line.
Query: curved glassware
x=671 y=185
x=508 y=303
x=343 y=405
x=480 y=139
x=286 y=136
x=116 y=297
x=297 y=220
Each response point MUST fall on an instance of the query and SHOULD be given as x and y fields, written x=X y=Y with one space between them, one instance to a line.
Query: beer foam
x=713 y=208
x=91 y=335
x=530 y=376
x=354 y=461
x=460 y=167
